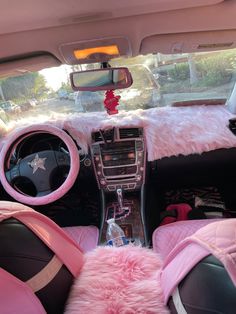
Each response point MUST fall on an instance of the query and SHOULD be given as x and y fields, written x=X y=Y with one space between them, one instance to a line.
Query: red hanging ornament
x=111 y=102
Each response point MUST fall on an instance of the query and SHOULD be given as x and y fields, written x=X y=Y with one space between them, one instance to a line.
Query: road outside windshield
x=159 y=80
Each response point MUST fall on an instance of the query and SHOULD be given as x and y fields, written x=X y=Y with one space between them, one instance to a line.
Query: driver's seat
x=38 y=256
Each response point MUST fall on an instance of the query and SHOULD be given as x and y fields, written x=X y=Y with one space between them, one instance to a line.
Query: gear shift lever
x=120 y=198
x=119 y=193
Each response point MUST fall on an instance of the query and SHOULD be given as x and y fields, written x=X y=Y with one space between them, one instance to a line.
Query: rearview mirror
x=101 y=79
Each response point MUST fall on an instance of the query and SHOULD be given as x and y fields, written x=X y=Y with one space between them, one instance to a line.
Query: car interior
x=118 y=110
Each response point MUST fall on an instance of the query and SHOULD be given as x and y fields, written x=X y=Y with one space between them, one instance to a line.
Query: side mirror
x=101 y=79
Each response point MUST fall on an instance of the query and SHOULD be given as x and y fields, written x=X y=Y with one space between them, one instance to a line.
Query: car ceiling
x=28 y=26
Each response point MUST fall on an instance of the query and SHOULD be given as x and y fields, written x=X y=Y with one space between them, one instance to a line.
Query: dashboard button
x=87 y=162
x=138 y=178
x=139 y=145
x=132 y=186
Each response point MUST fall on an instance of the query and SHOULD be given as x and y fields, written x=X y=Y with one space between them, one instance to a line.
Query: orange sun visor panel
x=91 y=51
x=107 y=50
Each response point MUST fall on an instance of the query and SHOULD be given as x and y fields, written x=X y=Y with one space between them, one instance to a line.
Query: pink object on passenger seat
x=85 y=236
x=217 y=238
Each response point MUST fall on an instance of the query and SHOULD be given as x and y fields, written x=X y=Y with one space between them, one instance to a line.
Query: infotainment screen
x=118 y=153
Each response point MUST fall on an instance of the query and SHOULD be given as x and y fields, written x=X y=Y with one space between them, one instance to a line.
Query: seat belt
x=46 y=275
x=177 y=302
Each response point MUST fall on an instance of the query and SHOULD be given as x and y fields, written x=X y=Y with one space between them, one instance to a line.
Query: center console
x=119 y=159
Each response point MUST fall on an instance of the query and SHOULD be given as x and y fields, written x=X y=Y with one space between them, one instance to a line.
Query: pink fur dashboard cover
x=169 y=131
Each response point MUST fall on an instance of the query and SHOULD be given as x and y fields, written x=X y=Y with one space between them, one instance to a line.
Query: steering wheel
x=38 y=167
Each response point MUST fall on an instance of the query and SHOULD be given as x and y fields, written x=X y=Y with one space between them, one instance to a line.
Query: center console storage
x=128 y=217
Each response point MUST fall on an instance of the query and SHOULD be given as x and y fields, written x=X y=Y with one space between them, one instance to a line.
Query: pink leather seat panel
x=85 y=236
x=165 y=238
x=17 y=297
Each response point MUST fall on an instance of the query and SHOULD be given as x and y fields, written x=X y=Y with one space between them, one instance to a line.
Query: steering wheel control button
x=62 y=159
x=37 y=163
x=15 y=173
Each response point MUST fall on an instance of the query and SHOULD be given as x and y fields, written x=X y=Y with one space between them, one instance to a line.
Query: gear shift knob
x=120 y=197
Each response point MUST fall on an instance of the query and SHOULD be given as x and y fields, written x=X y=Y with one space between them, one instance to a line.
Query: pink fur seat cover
x=121 y=280
x=217 y=238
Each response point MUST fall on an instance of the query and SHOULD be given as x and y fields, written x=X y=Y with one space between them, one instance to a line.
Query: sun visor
x=91 y=51
x=189 y=42
x=24 y=65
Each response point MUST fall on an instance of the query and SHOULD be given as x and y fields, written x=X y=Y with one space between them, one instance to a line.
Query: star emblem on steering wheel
x=37 y=163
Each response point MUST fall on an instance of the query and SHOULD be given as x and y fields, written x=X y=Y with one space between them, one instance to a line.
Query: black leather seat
x=23 y=254
x=207 y=289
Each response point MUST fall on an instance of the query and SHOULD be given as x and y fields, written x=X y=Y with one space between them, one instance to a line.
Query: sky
x=55 y=76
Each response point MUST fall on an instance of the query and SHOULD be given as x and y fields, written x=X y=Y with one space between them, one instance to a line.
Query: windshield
x=158 y=80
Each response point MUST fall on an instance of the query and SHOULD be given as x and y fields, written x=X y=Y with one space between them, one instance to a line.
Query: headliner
x=29 y=26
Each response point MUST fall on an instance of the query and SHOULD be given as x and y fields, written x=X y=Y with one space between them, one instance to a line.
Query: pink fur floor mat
x=118 y=280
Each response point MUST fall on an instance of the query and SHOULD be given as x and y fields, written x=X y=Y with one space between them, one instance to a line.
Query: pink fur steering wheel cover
x=74 y=167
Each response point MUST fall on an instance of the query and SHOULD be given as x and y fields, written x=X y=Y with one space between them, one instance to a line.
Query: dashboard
x=117 y=157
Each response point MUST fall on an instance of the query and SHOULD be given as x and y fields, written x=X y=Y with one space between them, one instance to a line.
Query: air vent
x=97 y=137
x=130 y=133
x=106 y=136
